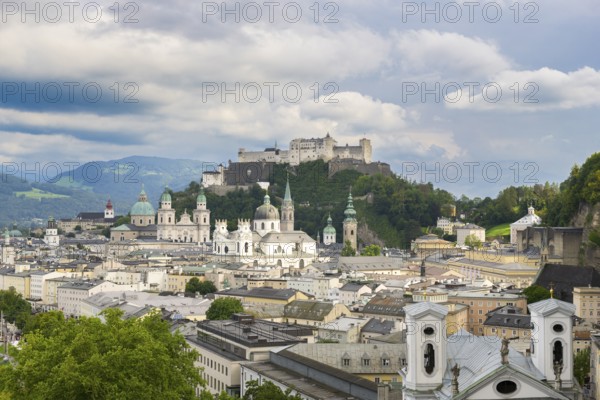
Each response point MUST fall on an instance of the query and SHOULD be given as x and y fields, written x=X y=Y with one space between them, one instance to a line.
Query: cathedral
x=270 y=239
x=189 y=229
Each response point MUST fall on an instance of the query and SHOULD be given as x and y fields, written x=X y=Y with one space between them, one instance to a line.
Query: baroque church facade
x=269 y=239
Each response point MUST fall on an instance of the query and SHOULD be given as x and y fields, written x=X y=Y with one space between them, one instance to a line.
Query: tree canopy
x=16 y=309
x=224 y=308
x=536 y=293
x=194 y=285
x=371 y=250
x=348 y=250
x=88 y=359
x=473 y=241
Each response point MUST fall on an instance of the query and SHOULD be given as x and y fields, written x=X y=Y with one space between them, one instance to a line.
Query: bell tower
x=350 y=223
x=287 y=210
x=552 y=340
x=426 y=348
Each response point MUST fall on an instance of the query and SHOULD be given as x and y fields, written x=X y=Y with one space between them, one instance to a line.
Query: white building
x=38 y=287
x=467 y=230
x=71 y=294
x=464 y=366
x=51 y=238
x=267 y=240
x=329 y=233
x=528 y=220
x=303 y=150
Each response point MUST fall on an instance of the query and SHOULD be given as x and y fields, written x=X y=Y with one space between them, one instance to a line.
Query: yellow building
x=587 y=303
x=20 y=281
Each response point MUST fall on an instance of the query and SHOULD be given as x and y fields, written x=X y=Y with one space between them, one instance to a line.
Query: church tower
x=552 y=340
x=329 y=232
x=202 y=217
x=287 y=210
x=350 y=223
x=8 y=251
x=426 y=349
x=109 y=212
x=166 y=217
x=51 y=237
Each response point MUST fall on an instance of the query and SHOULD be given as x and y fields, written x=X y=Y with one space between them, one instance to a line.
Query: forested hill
x=580 y=190
x=395 y=209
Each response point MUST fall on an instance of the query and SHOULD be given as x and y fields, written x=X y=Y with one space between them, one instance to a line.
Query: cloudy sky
x=471 y=96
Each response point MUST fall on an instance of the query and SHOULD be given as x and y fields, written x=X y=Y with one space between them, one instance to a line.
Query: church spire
x=288 y=194
x=287 y=209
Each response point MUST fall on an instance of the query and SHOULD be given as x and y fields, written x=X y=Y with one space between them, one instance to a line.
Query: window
x=480 y=312
x=366 y=362
x=429 y=358
x=377 y=380
x=346 y=362
x=385 y=362
x=506 y=387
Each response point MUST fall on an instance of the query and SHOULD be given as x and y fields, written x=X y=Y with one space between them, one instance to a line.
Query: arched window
x=272 y=225
x=226 y=249
x=169 y=219
x=246 y=247
x=429 y=358
x=204 y=219
x=557 y=352
x=262 y=225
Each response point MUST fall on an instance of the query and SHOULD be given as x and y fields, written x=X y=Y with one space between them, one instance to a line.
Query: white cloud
x=544 y=89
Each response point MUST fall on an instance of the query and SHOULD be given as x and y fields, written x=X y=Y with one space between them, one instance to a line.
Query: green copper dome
x=329 y=229
x=350 y=212
x=166 y=196
x=201 y=196
x=142 y=207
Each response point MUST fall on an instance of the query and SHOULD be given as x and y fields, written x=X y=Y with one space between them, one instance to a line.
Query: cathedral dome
x=201 y=196
x=142 y=206
x=266 y=211
x=166 y=196
x=329 y=229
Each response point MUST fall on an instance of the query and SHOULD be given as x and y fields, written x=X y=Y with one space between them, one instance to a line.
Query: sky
x=471 y=96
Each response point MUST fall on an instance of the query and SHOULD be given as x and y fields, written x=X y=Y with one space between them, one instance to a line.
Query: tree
x=16 y=309
x=194 y=285
x=473 y=241
x=536 y=293
x=268 y=391
x=581 y=365
x=348 y=250
x=371 y=250
x=224 y=308
x=88 y=359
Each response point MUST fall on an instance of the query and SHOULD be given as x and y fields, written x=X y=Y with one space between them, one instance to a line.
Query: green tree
x=348 y=250
x=536 y=293
x=224 y=308
x=89 y=359
x=371 y=250
x=16 y=309
x=45 y=323
x=194 y=285
x=581 y=365
x=473 y=241
x=268 y=391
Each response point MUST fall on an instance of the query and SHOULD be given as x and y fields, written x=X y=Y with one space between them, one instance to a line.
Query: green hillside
x=397 y=210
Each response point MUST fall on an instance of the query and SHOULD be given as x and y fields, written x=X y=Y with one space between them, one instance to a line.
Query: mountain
x=87 y=187
x=122 y=179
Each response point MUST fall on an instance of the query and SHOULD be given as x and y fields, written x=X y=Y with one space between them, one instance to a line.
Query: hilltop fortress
x=257 y=166
x=303 y=150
